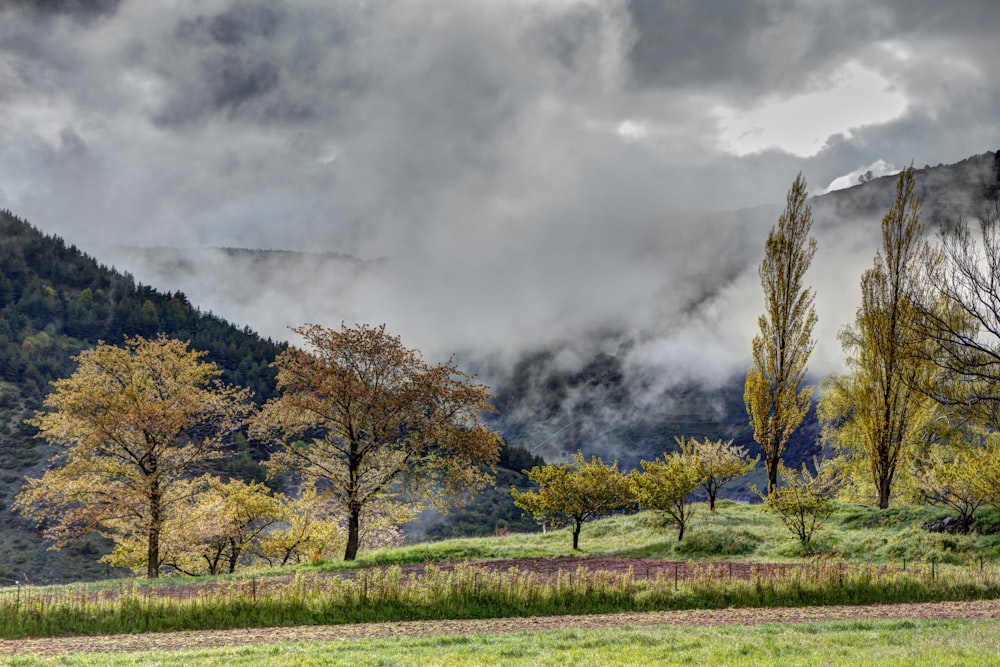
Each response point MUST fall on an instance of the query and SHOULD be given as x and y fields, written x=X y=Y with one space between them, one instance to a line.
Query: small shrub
x=988 y=522
x=714 y=542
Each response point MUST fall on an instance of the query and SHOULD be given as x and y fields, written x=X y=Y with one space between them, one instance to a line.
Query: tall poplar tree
x=880 y=408
x=775 y=400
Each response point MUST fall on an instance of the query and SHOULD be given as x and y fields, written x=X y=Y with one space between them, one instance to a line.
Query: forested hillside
x=54 y=302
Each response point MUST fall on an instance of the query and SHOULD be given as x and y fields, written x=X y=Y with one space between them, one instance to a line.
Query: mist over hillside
x=613 y=346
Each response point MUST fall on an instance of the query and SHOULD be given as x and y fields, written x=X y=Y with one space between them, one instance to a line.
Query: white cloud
x=853 y=96
x=632 y=130
x=850 y=179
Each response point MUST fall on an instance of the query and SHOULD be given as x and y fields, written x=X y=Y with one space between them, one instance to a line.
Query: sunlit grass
x=467 y=591
x=871 y=643
x=865 y=556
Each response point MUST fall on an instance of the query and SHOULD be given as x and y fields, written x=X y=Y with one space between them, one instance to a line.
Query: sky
x=516 y=173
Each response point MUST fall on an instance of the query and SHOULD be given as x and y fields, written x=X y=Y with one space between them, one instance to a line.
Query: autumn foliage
x=366 y=421
x=135 y=422
x=666 y=484
x=775 y=399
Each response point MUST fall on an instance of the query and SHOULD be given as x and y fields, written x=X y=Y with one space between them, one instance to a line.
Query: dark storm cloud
x=745 y=48
x=81 y=10
x=695 y=43
x=229 y=67
x=564 y=38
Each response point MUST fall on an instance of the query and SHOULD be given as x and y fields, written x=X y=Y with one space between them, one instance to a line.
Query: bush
x=715 y=542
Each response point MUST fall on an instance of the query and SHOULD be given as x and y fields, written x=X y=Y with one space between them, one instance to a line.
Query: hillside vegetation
x=56 y=301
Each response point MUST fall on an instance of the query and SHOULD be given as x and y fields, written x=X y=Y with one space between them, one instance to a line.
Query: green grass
x=865 y=556
x=871 y=643
x=736 y=531
x=471 y=592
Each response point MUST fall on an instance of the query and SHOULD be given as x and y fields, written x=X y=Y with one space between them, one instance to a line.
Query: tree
x=775 y=403
x=308 y=531
x=721 y=462
x=957 y=484
x=370 y=421
x=135 y=421
x=222 y=523
x=880 y=408
x=803 y=504
x=960 y=317
x=666 y=486
x=574 y=492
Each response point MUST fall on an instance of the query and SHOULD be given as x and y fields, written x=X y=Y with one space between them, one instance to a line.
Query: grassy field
x=865 y=556
x=736 y=531
x=872 y=643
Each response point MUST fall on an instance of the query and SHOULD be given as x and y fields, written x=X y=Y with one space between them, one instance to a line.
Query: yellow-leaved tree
x=720 y=462
x=774 y=398
x=878 y=412
x=135 y=421
x=805 y=501
x=222 y=524
x=666 y=484
x=574 y=492
x=366 y=421
x=310 y=531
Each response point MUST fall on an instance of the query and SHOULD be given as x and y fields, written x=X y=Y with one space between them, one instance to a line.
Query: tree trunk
x=353 y=533
x=680 y=530
x=576 y=535
x=883 y=495
x=772 y=474
x=711 y=502
x=155 y=524
x=234 y=555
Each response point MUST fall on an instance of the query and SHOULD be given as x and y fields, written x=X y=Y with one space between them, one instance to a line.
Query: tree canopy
x=574 y=492
x=879 y=409
x=666 y=484
x=720 y=461
x=367 y=420
x=135 y=421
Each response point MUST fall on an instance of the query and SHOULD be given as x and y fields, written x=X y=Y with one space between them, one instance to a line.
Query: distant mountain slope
x=600 y=401
x=602 y=406
x=947 y=192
